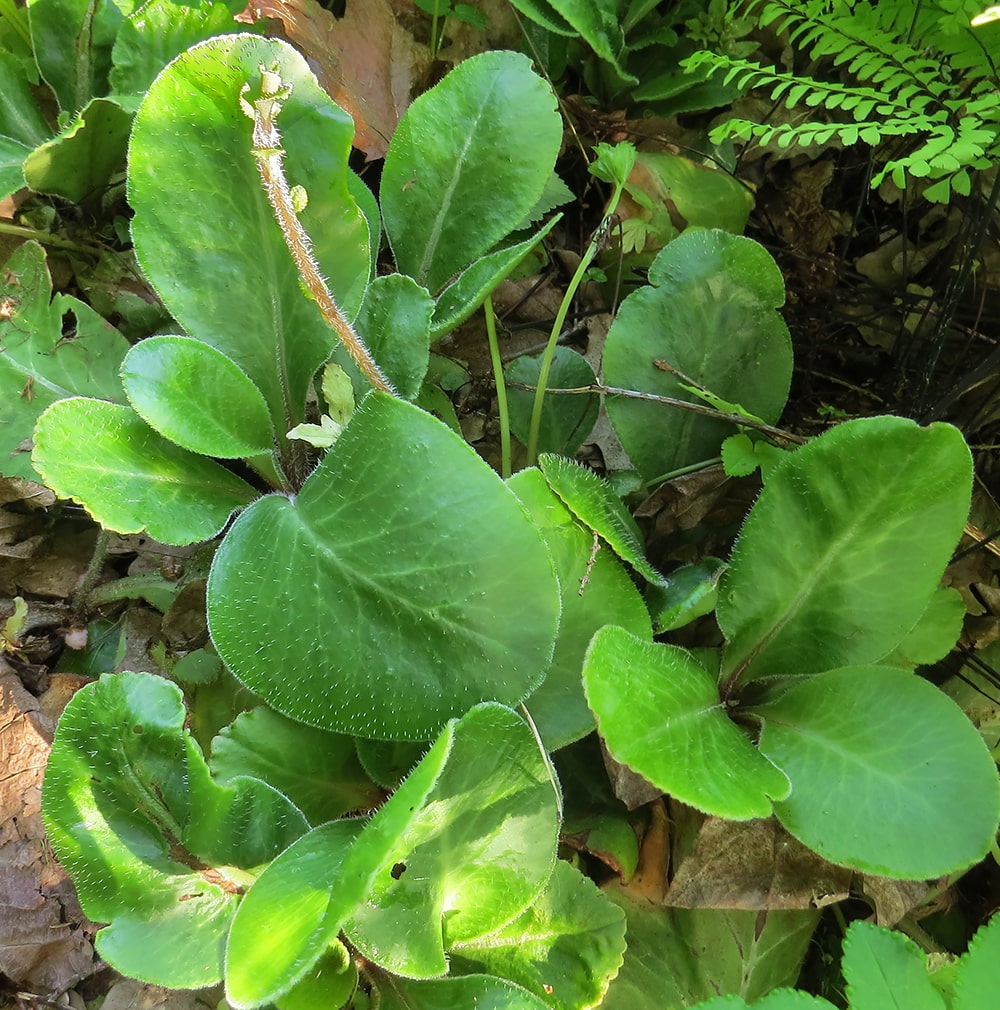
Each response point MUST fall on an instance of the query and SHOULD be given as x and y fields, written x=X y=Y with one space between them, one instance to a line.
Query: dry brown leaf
x=44 y=939
x=365 y=61
x=755 y=865
x=894 y=899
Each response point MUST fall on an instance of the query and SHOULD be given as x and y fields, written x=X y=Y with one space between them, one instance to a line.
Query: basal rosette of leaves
x=830 y=600
x=200 y=881
x=377 y=582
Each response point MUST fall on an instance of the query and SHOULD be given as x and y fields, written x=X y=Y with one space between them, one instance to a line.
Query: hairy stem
x=268 y=151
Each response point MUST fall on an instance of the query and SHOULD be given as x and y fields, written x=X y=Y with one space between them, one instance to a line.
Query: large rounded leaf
x=197 y=397
x=478 y=147
x=403 y=585
x=888 y=775
x=844 y=548
x=711 y=313
x=205 y=234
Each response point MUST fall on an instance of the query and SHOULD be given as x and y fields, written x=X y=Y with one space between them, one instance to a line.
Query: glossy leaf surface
x=441 y=168
x=195 y=396
x=461 y=298
x=711 y=312
x=318 y=771
x=888 y=775
x=380 y=584
x=476 y=855
x=130 y=478
x=484 y=992
x=659 y=712
x=285 y=922
x=566 y=420
x=565 y=948
x=217 y=258
x=153 y=843
x=844 y=549
x=595 y=591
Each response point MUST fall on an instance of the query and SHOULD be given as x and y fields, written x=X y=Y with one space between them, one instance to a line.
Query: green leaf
x=286 y=920
x=613 y=162
x=659 y=712
x=484 y=992
x=720 y=293
x=566 y=420
x=978 y=977
x=72 y=40
x=387 y=761
x=80 y=161
x=195 y=396
x=886 y=970
x=777 y=999
x=598 y=24
x=461 y=298
x=565 y=948
x=159 y=30
x=389 y=585
x=318 y=771
x=325 y=875
x=477 y=854
x=128 y=477
x=593 y=502
x=691 y=592
x=935 y=634
x=594 y=593
x=154 y=845
x=843 y=550
x=887 y=774
x=217 y=258
x=38 y=365
x=441 y=173
x=395 y=321
x=677 y=956
x=332 y=983
x=20 y=117
x=12 y=155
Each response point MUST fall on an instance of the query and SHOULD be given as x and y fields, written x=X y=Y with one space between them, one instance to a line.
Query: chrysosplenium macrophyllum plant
x=396 y=597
